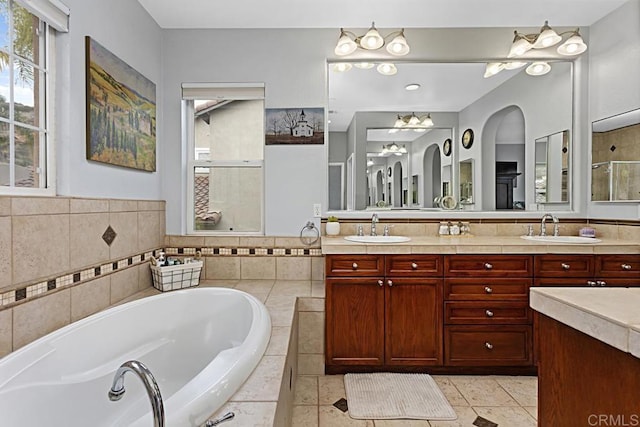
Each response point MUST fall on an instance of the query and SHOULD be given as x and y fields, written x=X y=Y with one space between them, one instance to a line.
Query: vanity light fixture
x=413 y=122
x=349 y=42
x=545 y=38
x=394 y=149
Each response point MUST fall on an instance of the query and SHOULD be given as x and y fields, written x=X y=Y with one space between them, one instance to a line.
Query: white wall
x=125 y=29
x=614 y=85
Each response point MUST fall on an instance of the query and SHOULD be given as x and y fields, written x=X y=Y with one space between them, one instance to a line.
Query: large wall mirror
x=507 y=113
x=615 y=156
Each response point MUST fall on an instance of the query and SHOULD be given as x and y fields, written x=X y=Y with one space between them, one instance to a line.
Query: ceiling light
x=345 y=44
x=538 y=68
x=387 y=69
x=520 y=45
x=364 y=65
x=398 y=45
x=341 y=67
x=547 y=37
x=412 y=86
x=348 y=42
x=372 y=40
x=493 y=68
x=573 y=46
x=513 y=65
x=427 y=121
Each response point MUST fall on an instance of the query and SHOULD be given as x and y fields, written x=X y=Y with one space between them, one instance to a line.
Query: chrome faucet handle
x=529 y=230
x=360 y=230
x=387 y=228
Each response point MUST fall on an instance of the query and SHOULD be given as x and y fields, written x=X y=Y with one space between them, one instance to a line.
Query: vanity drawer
x=488 y=265
x=354 y=265
x=414 y=265
x=618 y=265
x=487 y=312
x=489 y=289
x=564 y=266
x=508 y=345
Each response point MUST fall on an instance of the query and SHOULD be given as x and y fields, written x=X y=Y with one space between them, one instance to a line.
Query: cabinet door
x=355 y=321
x=413 y=321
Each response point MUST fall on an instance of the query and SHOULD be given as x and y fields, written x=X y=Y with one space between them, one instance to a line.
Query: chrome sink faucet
x=150 y=384
x=556 y=224
x=374 y=220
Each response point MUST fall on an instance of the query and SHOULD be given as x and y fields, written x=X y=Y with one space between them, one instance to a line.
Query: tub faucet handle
x=226 y=417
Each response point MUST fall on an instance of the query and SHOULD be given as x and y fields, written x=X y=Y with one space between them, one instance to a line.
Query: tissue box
x=174 y=277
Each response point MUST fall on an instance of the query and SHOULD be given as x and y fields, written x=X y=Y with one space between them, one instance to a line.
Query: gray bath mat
x=380 y=396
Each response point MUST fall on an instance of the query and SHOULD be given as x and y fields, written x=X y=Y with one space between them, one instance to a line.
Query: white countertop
x=475 y=244
x=611 y=315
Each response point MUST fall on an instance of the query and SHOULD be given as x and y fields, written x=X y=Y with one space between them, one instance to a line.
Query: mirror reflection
x=552 y=168
x=365 y=106
x=615 y=154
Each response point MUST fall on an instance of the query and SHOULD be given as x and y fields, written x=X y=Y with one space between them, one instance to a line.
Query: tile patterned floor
x=504 y=400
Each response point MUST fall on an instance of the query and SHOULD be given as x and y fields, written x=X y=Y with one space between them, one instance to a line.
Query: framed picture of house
x=294 y=126
x=120 y=111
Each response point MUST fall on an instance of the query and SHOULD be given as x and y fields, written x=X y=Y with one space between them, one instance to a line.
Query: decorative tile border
x=235 y=251
x=21 y=295
x=42 y=287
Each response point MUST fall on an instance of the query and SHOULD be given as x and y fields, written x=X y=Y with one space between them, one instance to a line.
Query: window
x=224 y=134
x=25 y=150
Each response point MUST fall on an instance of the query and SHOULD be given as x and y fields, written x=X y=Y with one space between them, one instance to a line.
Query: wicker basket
x=174 y=277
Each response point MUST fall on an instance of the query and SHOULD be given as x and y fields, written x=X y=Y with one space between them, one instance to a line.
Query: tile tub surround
x=53 y=248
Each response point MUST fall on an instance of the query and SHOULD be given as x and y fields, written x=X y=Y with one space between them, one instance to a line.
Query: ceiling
x=386 y=13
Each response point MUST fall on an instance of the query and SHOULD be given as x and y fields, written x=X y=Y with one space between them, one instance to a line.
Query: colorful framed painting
x=294 y=126
x=121 y=111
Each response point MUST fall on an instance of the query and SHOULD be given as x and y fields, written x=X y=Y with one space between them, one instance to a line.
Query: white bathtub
x=200 y=344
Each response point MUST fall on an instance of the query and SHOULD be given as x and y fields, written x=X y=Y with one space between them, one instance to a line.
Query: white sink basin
x=562 y=239
x=377 y=239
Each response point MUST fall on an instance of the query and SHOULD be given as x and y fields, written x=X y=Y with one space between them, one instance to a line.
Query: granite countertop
x=475 y=244
x=610 y=315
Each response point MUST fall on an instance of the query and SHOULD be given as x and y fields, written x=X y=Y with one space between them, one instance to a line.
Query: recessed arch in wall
x=432 y=174
x=504 y=129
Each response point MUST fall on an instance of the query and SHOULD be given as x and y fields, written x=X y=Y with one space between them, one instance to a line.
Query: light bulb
x=398 y=45
x=372 y=40
x=538 y=69
x=493 y=68
x=345 y=45
x=364 y=65
x=341 y=67
x=573 y=46
x=387 y=69
x=520 y=46
x=547 y=37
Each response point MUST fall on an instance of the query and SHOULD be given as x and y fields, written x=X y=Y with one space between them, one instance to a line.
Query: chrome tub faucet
x=150 y=384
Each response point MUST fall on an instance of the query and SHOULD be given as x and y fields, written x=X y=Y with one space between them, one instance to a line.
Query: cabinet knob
x=601 y=283
x=489 y=313
x=390 y=283
x=565 y=266
x=488 y=345
x=488 y=290
x=488 y=266
x=414 y=266
x=626 y=267
x=591 y=283
x=380 y=283
x=354 y=265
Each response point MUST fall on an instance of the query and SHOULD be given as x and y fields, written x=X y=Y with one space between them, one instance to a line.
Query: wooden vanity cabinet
x=392 y=318
x=487 y=320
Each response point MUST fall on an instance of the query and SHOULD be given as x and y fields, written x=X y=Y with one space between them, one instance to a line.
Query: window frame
x=188 y=141
x=47 y=145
